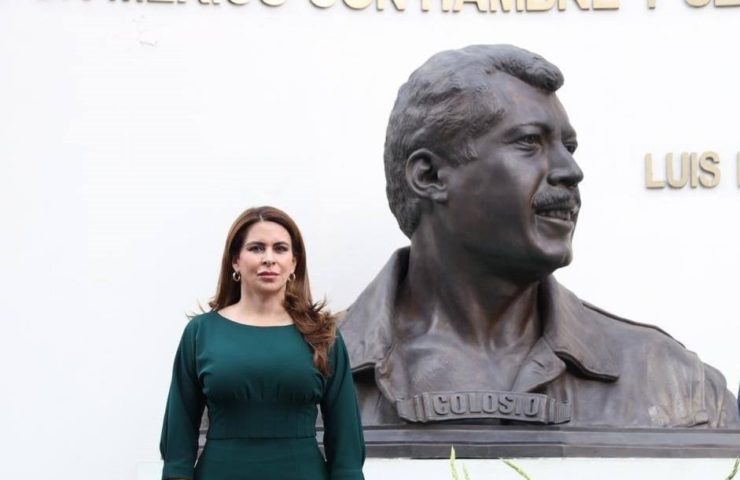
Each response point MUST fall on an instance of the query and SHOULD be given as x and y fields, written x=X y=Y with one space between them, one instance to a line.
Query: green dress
x=261 y=390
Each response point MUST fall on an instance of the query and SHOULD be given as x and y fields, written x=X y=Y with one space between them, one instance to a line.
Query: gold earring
x=236 y=276
x=291 y=277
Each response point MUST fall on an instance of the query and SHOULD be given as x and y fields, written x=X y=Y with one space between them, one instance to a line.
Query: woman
x=261 y=360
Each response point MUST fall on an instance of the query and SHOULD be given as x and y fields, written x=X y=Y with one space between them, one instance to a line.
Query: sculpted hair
x=445 y=104
x=315 y=323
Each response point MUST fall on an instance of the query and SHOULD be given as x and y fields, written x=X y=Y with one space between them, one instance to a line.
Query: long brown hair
x=314 y=322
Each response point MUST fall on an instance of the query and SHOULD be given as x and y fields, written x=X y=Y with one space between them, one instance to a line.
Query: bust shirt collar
x=569 y=329
x=367 y=328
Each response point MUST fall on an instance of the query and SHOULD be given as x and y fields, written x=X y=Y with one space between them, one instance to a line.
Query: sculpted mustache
x=556 y=198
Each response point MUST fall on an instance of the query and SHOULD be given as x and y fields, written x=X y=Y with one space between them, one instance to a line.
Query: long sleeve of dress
x=344 y=444
x=185 y=404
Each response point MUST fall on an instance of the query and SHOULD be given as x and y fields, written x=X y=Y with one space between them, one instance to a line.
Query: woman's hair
x=315 y=323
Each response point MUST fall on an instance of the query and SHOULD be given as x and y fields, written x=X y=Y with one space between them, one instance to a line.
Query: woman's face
x=266 y=259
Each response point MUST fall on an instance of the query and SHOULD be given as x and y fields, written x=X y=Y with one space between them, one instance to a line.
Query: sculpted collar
x=367 y=327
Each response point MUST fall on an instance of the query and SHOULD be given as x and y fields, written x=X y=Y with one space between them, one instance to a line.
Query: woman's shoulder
x=204 y=316
x=197 y=322
x=337 y=346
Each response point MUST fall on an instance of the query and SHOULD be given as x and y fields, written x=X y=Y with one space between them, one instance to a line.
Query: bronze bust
x=468 y=324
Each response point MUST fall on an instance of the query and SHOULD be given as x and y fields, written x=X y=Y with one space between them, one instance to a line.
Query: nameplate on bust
x=521 y=407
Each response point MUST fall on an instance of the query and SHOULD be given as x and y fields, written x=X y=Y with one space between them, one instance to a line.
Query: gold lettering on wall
x=687 y=169
x=358 y=4
x=709 y=165
x=650 y=181
x=717 y=3
x=506 y=5
x=582 y=4
x=539 y=5
x=481 y=6
x=399 y=4
x=606 y=4
x=673 y=180
x=323 y=3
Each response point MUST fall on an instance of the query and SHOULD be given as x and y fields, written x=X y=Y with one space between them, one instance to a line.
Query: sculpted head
x=479 y=151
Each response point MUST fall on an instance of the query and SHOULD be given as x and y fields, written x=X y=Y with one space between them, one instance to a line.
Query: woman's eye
x=254 y=248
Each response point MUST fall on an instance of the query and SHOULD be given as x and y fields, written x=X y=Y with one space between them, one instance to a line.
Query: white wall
x=132 y=134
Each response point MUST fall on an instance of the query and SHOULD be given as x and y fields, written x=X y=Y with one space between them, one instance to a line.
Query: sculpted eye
x=530 y=139
x=571 y=147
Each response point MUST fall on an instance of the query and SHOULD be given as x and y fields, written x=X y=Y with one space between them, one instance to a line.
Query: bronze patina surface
x=467 y=325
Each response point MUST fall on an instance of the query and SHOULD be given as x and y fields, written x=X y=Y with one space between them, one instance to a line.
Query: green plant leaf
x=453 y=468
x=516 y=468
x=734 y=469
x=465 y=472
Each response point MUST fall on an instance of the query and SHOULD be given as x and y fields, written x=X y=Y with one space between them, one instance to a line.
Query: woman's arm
x=344 y=444
x=185 y=404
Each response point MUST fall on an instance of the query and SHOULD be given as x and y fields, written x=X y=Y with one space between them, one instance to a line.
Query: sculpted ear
x=426 y=174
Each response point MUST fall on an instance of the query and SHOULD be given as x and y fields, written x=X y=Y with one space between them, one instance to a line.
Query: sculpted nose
x=563 y=169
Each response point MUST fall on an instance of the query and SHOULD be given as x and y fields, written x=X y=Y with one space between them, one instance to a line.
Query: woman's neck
x=259 y=310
